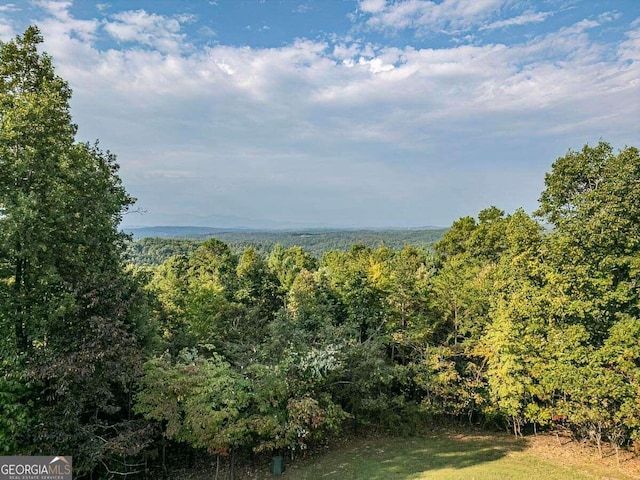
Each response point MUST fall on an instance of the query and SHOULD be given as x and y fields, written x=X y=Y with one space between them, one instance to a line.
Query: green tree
x=352 y=276
x=69 y=310
x=593 y=200
x=521 y=306
x=286 y=264
x=450 y=369
x=257 y=287
x=454 y=240
x=214 y=261
x=483 y=239
x=310 y=315
x=403 y=278
x=201 y=401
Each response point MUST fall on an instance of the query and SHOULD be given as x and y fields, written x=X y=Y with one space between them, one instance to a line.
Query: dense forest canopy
x=155 y=250
x=215 y=350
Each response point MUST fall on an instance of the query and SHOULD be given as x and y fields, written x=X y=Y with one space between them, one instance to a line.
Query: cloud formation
x=525 y=18
x=343 y=130
x=426 y=15
x=156 y=31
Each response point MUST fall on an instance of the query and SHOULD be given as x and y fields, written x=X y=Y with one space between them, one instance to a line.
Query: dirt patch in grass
x=584 y=456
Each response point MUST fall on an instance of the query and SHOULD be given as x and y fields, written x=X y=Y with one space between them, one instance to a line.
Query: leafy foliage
x=273 y=347
x=155 y=245
x=71 y=348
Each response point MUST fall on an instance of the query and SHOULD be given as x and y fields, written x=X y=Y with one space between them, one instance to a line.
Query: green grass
x=444 y=457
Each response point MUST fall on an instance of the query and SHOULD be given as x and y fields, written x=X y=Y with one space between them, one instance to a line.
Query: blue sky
x=372 y=113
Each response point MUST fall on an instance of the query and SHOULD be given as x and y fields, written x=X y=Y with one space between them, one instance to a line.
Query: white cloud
x=373 y=6
x=580 y=27
x=609 y=16
x=303 y=8
x=525 y=18
x=299 y=81
x=9 y=7
x=62 y=24
x=425 y=15
x=263 y=28
x=629 y=50
x=327 y=122
x=6 y=31
x=342 y=51
x=69 y=39
x=157 y=31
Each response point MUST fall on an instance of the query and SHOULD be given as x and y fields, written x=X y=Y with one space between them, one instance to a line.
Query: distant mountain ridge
x=169 y=231
x=195 y=232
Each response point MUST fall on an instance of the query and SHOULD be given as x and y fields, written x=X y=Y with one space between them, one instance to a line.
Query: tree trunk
x=164 y=458
x=21 y=336
x=232 y=460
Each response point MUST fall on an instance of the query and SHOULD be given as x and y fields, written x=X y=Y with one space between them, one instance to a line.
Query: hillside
x=153 y=245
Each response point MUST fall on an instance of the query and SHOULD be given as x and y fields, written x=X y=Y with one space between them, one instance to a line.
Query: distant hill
x=193 y=232
x=177 y=232
x=153 y=245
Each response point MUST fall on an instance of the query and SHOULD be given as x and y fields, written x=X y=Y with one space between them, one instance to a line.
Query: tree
x=403 y=276
x=451 y=367
x=213 y=261
x=351 y=276
x=483 y=240
x=62 y=200
x=566 y=303
x=257 y=287
x=592 y=197
x=455 y=240
x=286 y=264
x=202 y=401
x=70 y=307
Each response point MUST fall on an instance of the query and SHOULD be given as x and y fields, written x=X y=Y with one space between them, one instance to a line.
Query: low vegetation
x=452 y=457
x=451 y=454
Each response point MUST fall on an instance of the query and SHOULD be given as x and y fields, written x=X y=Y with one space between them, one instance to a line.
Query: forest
x=155 y=250
x=511 y=321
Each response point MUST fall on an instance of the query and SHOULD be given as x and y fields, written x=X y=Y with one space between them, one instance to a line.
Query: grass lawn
x=441 y=456
x=461 y=457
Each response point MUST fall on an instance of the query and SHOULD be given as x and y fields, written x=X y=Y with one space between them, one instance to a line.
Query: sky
x=340 y=113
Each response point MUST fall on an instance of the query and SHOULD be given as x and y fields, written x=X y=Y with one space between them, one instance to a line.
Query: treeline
x=506 y=324
x=154 y=250
x=503 y=324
